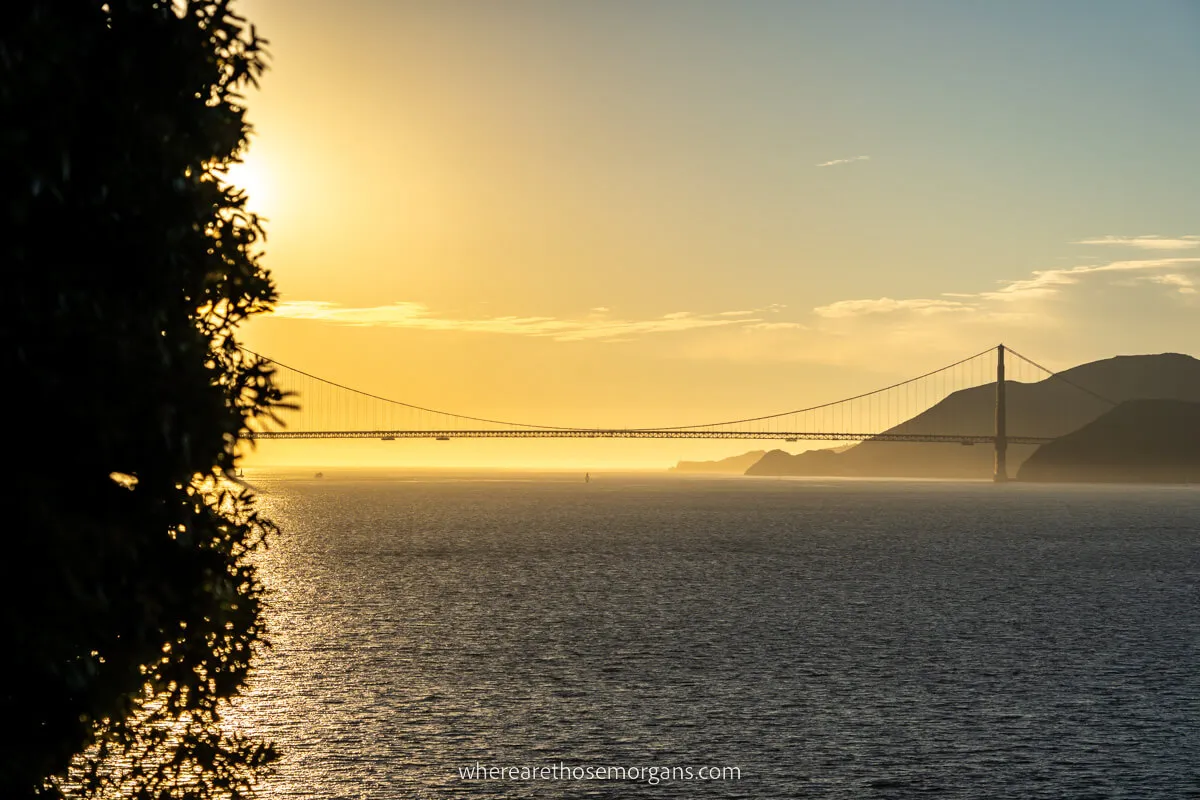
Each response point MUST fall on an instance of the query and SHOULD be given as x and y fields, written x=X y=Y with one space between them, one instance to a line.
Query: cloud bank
x=598 y=325
x=1012 y=300
x=1041 y=285
x=1123 y=305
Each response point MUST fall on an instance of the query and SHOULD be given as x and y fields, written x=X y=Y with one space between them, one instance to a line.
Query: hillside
x=734 y=465
x=1047 y=408
x=812 y=462
x=1138 y=441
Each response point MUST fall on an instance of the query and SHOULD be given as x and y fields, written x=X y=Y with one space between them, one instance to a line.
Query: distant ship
x=319 y=475
x=241 y=473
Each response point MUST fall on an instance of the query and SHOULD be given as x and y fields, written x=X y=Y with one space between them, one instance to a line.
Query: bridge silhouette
x=920 y=409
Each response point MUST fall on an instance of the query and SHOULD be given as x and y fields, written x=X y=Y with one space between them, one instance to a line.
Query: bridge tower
x=1001 y=473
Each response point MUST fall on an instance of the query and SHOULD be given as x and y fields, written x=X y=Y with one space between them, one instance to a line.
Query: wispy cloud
x=1147 y=242
x=885 y=305
x=838 y=161
x=1041 y=285
x=1133 y=305
x=1044 y=283
x=777 y=326
x=598 y=325
x=1183 y=283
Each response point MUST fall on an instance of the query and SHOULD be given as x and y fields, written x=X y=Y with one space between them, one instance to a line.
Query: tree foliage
x=129 y=605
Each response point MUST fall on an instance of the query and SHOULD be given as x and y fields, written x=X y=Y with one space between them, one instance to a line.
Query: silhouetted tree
x=130 y=611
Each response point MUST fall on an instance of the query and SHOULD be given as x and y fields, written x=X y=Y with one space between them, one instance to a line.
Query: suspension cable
x=409 y=405
x=833 y=403
x=1065 y=380
x=668 y=428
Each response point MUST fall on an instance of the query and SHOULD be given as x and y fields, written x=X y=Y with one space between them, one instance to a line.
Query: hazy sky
x=639 y=212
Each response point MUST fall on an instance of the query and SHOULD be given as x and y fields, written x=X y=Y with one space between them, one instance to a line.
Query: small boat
x=442 y=438
x=319 y=475
x=241 y=473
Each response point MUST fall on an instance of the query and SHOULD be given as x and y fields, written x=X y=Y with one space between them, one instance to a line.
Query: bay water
x=532 y=635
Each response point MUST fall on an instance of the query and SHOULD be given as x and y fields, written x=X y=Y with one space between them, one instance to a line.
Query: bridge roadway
x=650 y=433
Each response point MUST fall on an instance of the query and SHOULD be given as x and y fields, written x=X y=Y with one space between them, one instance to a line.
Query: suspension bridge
x=942 y=406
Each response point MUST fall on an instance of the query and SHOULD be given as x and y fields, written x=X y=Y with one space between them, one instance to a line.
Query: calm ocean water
x=832 y=639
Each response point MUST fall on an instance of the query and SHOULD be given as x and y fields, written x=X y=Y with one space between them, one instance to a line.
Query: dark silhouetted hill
x=1138 y=441
x=734 y=465
x=813 y=462
x=1048 y=408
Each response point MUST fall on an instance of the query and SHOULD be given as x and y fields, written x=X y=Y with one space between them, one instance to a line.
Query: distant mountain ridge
x=1048 y=408
x=734 y=465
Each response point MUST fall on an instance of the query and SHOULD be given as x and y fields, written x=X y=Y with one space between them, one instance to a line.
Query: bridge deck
x=634 y=433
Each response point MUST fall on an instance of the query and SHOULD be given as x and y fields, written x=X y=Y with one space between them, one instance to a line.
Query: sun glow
x=254 y=176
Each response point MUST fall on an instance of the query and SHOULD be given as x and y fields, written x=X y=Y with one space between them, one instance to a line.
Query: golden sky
x=633 y=214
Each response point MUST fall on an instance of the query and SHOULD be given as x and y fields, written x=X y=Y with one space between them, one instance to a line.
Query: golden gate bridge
x=941 y=406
